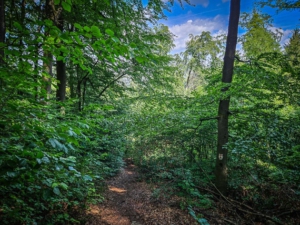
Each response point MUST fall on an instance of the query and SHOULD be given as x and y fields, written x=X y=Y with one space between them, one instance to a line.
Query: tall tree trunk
x=2 y=40
x=84 y=93
x=62 y=79
x=79 y=95
x=2 y=29
x=222 y=151
x=78 y=88
x=61 y=70
x=48 y=62
x=48 y=69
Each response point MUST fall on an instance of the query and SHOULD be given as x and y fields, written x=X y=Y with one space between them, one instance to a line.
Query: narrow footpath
x=129 y=201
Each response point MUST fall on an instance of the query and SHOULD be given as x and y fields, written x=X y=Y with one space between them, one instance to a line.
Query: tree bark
x=48 y=62
x=48 y=69
x=61 y=70
x=2 y=29
x=79 y=95
x=223 y=112
x=62 y=79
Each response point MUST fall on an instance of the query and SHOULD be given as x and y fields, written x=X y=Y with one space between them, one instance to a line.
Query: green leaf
x=11 y=174
x=66 y=6
x=133 y=45
x=115 y=39
x=60 y=58
x=203 y=221
x=64 y=186
x=139 y=59
x=96 y=31
x=40 y=155
x=54 y=185
x=87 y=178
x=56 y=191
x=78 y=26
x=50 y=116
x=56 y=2
x=109 y=32
x=48 y=22
x=77 y=39
x=46 y=195
x=52 y=142
x=71 y=147
x=58 y=167
x=18 y=26
x=86 y=28
x=71 y=168
x=45 y=160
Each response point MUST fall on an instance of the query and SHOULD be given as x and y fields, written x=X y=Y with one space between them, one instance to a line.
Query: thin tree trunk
x=48 y=62
x=48 y=69
x=79 y=95
x=84 y=92
x=2 y=40
x=2 y=29
x=61 y=70
x=62 y=80
x=222 y=151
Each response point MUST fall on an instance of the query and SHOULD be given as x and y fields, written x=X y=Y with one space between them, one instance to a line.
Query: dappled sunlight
x=94 y=210
x=116 y=189
x=108 y=215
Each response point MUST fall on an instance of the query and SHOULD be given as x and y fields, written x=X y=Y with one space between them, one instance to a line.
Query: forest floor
x=129 y=201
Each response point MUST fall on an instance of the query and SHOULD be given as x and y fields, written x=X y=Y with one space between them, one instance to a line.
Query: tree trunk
x=48 y=69
x=221 y=161
x=79 y=95
x=62 y=79
x=84 y=92
x=61 y=70
x=48 y=62
x=2 y=29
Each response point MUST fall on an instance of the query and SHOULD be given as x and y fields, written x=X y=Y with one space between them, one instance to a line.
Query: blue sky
x=212 y=15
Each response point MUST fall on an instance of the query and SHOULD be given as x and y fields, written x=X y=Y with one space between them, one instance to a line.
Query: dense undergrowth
x=176 y=149
x=263 y=170
x=52 y=165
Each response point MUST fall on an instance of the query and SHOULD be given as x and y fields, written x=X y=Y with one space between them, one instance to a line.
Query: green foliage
x=174 y=135
x=55 y=155
x=201 y=220
x=281 y=4
x=42 y=165
x=127 y=95
x=258 y=38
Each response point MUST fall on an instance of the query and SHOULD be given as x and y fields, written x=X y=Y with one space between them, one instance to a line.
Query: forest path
x=129 y=201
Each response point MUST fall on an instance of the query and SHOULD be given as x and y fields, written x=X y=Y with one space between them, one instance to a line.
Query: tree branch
x=204 y=119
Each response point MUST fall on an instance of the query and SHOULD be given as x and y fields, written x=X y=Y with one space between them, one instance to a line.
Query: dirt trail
x=130 y=202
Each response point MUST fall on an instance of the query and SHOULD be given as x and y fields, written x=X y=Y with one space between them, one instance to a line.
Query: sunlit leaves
x=66 y=6
x=96 y=31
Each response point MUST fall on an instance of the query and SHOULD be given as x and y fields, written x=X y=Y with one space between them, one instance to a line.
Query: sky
x=213 y=15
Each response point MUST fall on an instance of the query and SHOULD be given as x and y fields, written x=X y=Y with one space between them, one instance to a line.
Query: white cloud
x=216 y=26
x=286 y=37
x=286 y=34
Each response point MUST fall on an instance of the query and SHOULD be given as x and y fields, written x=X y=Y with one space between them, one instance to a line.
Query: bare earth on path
x=129 y=201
